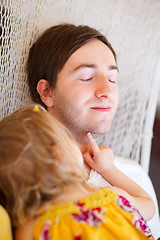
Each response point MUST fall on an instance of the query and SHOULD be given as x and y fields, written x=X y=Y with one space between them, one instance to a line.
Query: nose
x=103 y=87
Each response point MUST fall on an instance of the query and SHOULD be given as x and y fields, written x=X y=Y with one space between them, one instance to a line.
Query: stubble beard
x=79 y=130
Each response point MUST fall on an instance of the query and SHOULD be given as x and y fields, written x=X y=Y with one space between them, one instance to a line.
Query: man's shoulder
x=96 y=180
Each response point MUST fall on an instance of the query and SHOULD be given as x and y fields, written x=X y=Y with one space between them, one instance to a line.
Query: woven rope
x=133 y=28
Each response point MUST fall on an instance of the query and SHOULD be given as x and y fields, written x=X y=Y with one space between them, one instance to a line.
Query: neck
x=84 y=147
x=73 y=193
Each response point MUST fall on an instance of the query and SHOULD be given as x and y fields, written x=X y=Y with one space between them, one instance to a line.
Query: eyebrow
x=94 y=66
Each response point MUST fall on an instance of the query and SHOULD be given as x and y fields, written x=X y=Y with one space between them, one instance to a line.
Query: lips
x=101 y=108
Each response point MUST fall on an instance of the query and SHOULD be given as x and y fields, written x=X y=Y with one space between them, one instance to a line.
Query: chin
x=99 y=132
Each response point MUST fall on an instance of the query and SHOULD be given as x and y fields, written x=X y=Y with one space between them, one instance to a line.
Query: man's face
x=86 y=94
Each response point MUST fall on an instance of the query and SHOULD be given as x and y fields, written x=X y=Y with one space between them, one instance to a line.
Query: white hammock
x=133 y=28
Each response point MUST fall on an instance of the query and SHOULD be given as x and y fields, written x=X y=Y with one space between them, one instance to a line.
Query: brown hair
x=32 y=170
x=52 y=49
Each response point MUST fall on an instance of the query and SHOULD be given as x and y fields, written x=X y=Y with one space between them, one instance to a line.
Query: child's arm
x=100 y=158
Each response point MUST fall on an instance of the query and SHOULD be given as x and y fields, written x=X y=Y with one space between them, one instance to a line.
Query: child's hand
x=100 y=158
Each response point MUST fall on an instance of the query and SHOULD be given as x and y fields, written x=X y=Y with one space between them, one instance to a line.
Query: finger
x=103 y=147
x=93 y=145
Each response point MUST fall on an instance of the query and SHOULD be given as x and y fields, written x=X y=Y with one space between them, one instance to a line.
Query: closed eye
x=112 y=76
x=86 y=79
x=112 y=81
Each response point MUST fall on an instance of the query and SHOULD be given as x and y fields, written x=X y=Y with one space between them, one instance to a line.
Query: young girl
x=43 y=185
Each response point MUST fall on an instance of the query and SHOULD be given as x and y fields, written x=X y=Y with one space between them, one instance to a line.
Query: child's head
x=37 y=161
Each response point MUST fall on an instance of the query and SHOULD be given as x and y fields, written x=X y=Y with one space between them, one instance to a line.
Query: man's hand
x=100 y=158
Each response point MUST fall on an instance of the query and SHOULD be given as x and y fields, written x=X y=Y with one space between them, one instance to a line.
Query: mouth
x=101 y=108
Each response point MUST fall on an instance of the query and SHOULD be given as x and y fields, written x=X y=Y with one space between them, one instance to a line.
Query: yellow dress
x=102 y=215
x=5 y=226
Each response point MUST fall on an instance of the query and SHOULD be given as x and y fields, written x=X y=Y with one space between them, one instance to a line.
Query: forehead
x=93 y=52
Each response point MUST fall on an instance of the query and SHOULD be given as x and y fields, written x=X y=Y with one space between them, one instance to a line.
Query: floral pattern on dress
x=138 y=220
x=45 y=231
x=92 y=217
x=77 y=237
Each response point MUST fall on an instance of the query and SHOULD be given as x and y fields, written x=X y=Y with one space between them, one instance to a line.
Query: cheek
x=78 y=97
x=116 y=96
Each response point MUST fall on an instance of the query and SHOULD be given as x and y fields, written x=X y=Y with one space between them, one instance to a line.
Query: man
x=72 y=71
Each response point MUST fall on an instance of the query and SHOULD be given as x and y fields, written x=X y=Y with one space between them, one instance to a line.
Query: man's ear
x=44 y=91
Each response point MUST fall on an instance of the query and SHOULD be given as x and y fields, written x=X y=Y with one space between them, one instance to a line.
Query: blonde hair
x=33 y=149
